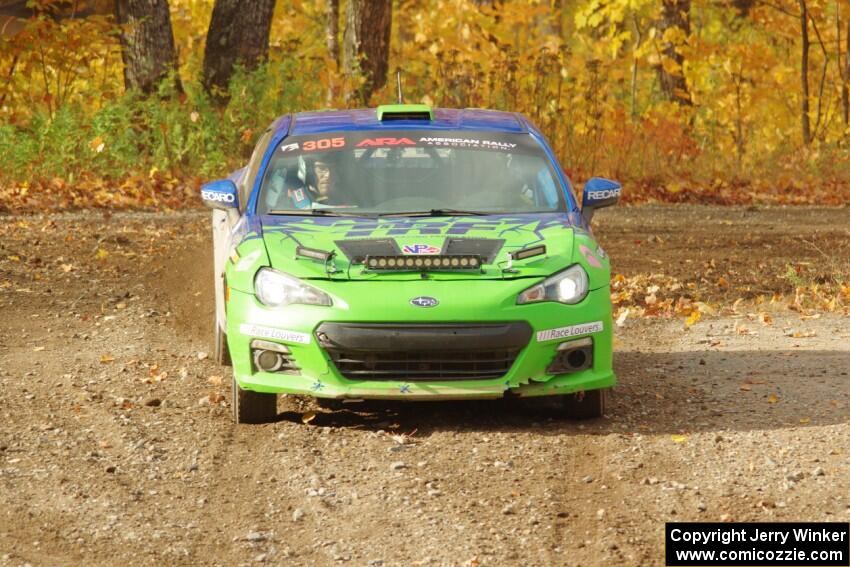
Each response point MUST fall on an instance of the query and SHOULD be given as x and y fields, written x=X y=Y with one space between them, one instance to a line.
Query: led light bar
x=423 y=263
x=528 y=252
x=313 y=254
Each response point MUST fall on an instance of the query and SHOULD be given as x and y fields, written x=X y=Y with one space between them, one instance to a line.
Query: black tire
x=586 y=405
x=222 y=353
x=252 y=407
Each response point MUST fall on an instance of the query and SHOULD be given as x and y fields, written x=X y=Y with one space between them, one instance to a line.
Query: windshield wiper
x=436 y=213
x=316 y=213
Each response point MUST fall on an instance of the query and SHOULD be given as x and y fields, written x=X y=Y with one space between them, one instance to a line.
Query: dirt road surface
x=117 y=447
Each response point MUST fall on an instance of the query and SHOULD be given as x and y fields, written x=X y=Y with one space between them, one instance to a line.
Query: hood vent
x=357 y=250
x=487 y=249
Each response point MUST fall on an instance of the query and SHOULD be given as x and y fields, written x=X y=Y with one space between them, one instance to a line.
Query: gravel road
x=117 y=447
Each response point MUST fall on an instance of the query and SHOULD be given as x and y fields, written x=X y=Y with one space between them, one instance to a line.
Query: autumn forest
x=135 y=102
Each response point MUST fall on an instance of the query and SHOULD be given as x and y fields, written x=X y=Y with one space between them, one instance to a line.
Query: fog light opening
x=268 y=361
x=576 y=358
x=572 y=356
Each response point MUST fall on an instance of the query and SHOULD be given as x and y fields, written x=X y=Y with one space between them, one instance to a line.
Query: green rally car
x=409 y=253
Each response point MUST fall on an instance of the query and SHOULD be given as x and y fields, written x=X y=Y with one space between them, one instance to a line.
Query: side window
x=253 y=168
x=547 y=186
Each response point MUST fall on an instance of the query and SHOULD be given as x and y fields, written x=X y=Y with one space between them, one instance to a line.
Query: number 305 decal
x=323 y=144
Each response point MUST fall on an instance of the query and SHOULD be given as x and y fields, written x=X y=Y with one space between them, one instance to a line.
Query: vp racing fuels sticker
x=420 y=249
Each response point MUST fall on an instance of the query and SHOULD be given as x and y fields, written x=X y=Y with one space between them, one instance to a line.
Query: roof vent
x=388 y=112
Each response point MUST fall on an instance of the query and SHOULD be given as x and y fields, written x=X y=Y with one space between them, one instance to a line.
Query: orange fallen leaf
x=746 y=387
x=772 y=399
x=803 y=334
x=692 y=319
x=308 y=417
x=105 y=358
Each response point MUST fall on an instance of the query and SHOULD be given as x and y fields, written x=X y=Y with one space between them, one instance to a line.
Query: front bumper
x=488 y=304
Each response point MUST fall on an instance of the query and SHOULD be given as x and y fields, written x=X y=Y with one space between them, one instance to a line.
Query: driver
x=311 y=182
x=320 y=181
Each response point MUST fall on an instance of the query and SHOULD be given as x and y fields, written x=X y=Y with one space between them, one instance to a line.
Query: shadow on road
x=658 y=393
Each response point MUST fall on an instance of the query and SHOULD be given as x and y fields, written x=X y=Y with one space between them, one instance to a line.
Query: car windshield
x=410 y=172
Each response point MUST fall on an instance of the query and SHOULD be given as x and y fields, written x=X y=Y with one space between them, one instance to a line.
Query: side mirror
x=598 y=192
x=220 y=195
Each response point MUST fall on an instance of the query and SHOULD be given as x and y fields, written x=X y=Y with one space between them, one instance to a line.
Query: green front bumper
x=469 y=301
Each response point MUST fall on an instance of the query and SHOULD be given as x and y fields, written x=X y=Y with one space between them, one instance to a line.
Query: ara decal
x=381 y=142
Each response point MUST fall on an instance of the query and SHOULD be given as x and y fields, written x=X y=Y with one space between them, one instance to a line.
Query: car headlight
x=277 y=289
x=569 y=286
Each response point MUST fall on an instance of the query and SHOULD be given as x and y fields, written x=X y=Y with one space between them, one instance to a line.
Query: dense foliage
x=587 y=72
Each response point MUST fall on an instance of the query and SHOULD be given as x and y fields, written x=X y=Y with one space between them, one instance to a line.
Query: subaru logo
x=424 y=301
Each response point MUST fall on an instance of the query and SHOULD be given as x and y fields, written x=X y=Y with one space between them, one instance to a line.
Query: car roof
x=367 y=119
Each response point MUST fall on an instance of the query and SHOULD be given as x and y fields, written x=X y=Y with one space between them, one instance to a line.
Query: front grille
x=422 y=352
x=428 y=365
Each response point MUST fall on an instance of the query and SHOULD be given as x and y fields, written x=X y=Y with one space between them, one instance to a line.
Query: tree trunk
x=743 y=7
x=332 y=42
x=675 y=14
x=804 y=73
x=147 y=43
x=332 y=30
x=845 y=96
x=238 y=35
x=367 y=43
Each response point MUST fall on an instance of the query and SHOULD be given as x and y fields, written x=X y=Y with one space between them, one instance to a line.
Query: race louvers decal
x=272 y=333
x=567 y=332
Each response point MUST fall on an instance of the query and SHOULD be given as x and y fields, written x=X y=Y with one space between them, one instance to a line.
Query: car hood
x=492 y=237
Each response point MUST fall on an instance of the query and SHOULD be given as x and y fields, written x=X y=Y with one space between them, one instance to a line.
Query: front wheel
x=252 y=407
x=586 y=405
